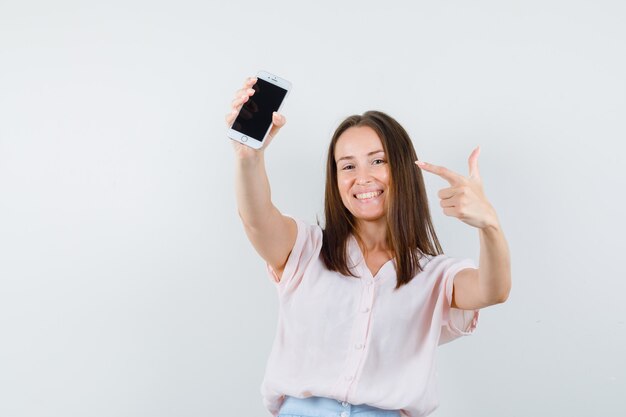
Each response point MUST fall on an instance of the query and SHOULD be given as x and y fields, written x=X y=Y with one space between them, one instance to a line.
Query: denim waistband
x=327 y=407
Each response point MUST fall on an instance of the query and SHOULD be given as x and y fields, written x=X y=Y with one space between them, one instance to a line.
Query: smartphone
x=254 y=120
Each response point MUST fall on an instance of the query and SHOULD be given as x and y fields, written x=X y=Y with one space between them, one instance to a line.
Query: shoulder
x=308 y=235
x=303 y=259
x=306 y=228
x=441 y=267
x=443 y=261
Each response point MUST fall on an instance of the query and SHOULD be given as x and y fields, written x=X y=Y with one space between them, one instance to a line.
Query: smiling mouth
x=368 y=196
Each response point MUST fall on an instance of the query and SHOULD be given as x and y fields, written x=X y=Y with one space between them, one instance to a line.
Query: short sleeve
x=456 y=322
x=305 y=252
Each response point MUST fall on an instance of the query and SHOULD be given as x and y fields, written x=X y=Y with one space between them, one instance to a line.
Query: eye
x=347 y=167
x=378 y=161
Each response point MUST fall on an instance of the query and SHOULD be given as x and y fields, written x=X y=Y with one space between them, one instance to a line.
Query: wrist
x=250 y=158
x=491 y=227
x=492 y=224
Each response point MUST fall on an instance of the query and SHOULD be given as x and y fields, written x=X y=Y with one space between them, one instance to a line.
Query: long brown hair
x=410 y=232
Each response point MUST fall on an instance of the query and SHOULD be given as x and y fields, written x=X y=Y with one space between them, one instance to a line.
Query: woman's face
x=362 y=173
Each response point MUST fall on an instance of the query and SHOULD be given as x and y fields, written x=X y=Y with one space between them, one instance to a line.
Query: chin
x=368 y=217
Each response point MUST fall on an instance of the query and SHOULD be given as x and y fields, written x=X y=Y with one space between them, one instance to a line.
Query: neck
x=372 y=236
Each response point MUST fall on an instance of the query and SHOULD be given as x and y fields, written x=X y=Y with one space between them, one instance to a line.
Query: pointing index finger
x=448 y=175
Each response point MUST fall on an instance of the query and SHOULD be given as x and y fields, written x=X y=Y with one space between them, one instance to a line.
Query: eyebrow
x=352 y=157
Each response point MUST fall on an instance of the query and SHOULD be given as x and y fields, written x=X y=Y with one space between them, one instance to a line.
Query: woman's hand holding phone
x=241 y=97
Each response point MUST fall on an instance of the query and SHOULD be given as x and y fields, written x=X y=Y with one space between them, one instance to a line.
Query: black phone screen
x=255 y=116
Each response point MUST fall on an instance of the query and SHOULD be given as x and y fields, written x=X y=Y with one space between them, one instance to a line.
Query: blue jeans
x=327 y=407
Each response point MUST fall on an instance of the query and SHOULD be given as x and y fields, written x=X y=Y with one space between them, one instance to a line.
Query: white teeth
x=368 y=195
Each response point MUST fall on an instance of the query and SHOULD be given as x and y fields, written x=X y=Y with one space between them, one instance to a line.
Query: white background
x=127 y=286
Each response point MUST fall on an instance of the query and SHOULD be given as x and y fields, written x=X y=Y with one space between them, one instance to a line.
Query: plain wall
x=127 y=285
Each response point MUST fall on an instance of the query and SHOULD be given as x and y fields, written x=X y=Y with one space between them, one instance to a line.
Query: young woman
x=365 y=301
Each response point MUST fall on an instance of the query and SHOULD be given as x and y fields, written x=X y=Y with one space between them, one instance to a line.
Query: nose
x=363 y=177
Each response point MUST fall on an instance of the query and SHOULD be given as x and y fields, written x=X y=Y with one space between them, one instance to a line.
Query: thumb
x=278 y=121
x=474 y=172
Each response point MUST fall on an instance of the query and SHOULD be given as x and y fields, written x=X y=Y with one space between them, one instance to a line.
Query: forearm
x=494 y=272
x=252 y=190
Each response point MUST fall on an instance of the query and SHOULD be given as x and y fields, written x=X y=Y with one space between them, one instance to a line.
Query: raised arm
x=272 y=234
x=465 y=199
